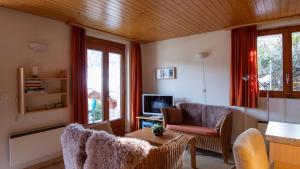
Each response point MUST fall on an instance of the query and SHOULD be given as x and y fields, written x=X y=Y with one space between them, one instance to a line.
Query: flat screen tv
x=152 y=103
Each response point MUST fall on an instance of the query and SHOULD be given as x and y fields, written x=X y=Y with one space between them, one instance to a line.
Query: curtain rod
x=96 y=29
x=286 y=18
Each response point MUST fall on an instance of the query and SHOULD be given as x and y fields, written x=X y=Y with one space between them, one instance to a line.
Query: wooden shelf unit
x=46 y=78
x=149 y=118
x=44 y=109
x=55 y=96
x=38 y=94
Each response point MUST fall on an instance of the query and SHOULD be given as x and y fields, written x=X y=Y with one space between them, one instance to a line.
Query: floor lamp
x=246 y=78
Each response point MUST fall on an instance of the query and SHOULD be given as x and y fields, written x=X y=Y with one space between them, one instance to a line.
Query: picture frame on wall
x=166 y=73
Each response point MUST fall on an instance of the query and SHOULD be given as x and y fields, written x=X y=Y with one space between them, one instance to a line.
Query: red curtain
x=243 y=63
x=79 y=76
x=136 y=83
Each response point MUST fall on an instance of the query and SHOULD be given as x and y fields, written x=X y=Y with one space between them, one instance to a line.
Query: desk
x=284 y=142
x=280 y=165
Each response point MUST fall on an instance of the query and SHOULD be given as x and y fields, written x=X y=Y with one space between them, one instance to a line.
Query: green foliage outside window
x=270 y=62
x=96 y=114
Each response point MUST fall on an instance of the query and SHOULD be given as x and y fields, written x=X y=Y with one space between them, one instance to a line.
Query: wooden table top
x=281 y=165
x=285 y=133
x=147 y=135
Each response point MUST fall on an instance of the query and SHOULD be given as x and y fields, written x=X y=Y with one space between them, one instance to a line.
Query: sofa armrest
x=225 y=132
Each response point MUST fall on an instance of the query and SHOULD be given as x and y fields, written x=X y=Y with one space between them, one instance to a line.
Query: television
x=152 y=103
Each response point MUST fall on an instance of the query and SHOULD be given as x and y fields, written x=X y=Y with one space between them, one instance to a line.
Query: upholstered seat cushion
x=206 y=131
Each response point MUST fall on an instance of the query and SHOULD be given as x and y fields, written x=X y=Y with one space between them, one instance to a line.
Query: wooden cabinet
x=41 y=93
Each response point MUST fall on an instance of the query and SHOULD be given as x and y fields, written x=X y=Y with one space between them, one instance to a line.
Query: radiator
x=31 y=147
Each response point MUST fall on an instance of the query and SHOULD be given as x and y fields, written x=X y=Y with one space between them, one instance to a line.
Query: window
x=94 y=83
x=270 y=62
x=278 y=52
x=296 y=60
x=105 y=68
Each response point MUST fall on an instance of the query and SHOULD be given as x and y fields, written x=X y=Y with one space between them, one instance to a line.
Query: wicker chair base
x=213 y=144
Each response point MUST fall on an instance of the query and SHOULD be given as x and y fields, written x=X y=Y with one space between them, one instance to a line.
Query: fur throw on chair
x=105 y=151
x=73 y=141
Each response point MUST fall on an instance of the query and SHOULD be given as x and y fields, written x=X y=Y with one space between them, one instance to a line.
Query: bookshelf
x=43 y=93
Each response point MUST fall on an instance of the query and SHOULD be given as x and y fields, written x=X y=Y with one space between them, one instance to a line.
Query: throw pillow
x=73 y=142
x=105 y=151
x=218 y=124
x=175 y=116
x=105 y=126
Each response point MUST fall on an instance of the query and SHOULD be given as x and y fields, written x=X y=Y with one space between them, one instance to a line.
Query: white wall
x=16 y=31
x=180 y=52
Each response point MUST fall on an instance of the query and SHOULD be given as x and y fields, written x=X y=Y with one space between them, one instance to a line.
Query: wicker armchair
x=169 y=156
x=201 y=121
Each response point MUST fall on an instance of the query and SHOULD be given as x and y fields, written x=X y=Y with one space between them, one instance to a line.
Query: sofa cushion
x=213 y=114
x=219 y=123
x=192 y=112
x=205 y=131
x=175 y=116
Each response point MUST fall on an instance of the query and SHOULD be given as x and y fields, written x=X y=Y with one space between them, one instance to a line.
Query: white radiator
x=34 y=147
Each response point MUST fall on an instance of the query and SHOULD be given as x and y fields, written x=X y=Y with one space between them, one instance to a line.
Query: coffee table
x=147 y=135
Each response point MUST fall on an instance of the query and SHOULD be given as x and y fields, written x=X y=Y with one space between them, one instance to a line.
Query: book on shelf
x=33 y=85
x=37 y=92
x=34 y=81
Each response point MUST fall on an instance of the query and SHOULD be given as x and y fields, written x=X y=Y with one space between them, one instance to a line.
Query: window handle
x=287 y=77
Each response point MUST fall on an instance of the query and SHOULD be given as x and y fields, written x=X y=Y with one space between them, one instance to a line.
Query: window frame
x=287 y=61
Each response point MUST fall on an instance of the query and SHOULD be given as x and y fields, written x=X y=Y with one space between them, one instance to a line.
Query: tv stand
x=146 y=115
x=149 y=118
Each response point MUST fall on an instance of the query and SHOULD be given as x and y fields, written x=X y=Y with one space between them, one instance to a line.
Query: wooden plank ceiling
x=152 y=20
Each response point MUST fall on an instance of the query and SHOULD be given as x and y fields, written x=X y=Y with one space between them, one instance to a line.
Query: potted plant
x=158 y=129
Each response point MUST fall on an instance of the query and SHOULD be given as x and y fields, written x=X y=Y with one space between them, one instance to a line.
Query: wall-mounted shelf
x=46 y=78
x=44 y=109
x=41 y=93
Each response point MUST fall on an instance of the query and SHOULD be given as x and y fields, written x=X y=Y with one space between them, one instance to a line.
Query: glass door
x=94 y=85
x=105 y=70
x=114 y=86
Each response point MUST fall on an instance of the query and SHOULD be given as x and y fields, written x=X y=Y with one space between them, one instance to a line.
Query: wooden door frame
x=107 y=47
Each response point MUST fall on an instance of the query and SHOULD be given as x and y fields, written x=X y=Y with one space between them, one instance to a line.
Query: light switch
x=3 y=97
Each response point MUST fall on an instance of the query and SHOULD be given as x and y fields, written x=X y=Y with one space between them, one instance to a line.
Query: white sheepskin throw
x=105 y=151
x=73 y=142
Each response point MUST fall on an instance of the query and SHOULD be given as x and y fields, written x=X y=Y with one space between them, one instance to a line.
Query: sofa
x=211 y=125
x=95 y=146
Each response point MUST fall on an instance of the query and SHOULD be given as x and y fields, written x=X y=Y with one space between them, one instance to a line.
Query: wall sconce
x=201 y=55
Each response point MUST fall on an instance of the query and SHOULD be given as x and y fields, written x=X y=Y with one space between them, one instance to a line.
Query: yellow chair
x=249 y=151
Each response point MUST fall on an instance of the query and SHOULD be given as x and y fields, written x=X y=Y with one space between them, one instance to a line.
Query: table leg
x=193 y=153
